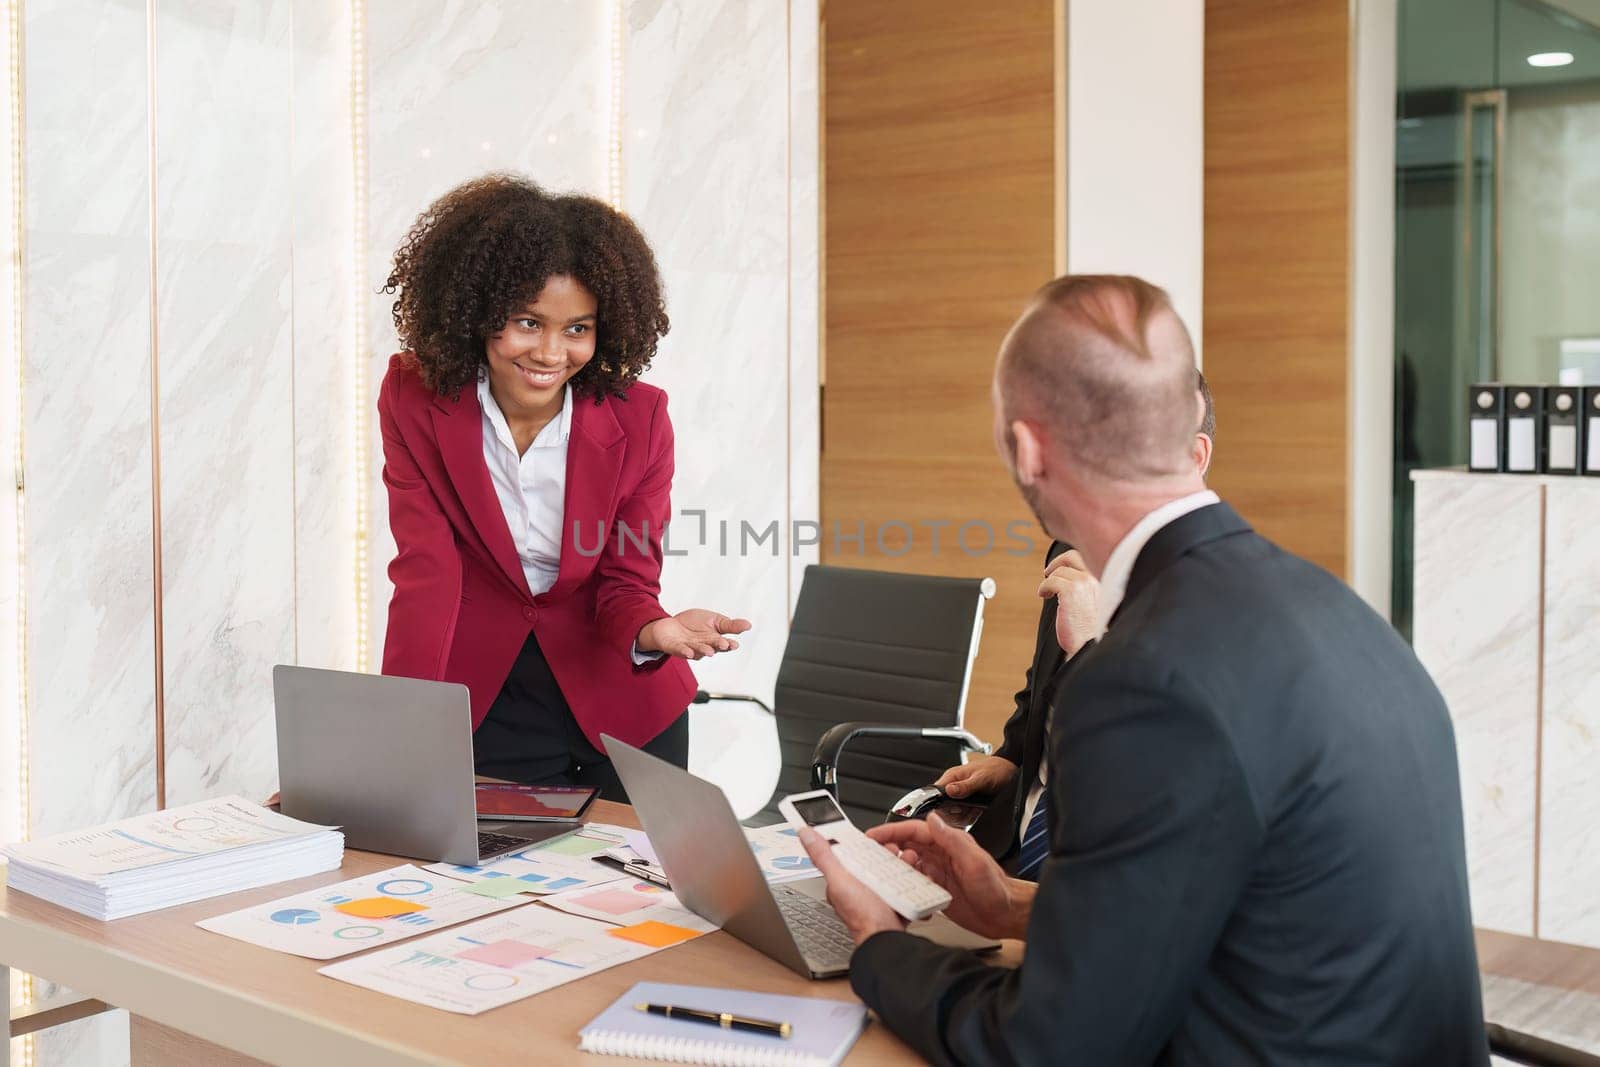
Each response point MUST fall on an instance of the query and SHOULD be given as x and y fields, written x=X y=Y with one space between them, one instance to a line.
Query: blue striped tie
x=1035 y=840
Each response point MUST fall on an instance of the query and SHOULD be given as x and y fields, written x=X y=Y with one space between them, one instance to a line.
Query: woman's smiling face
x=541 y=346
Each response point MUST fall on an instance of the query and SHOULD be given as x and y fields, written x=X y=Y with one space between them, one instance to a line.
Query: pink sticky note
x=503 y=953
x=616 y=901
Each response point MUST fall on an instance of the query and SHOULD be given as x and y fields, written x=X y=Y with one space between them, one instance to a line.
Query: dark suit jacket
x=1263 y=860
x=1023 y=742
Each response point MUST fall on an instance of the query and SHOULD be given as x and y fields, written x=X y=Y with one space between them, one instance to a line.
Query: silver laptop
x=390 y=761
x=712 y=870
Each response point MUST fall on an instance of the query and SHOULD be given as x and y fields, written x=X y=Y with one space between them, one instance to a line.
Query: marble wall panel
x=1476 y=629
x=1569 y=839
x=323 y=342
x=87 y=384
x=225 y=348
x=455 y=90
x=707 y=128
x=86 y=374
x=12 y=813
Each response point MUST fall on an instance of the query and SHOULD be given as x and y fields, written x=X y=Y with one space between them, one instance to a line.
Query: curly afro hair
x=488 y=246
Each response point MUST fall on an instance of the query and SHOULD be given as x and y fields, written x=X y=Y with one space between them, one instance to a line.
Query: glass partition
x=1497 y=219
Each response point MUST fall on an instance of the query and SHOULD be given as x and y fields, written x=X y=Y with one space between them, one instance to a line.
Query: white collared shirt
x=532 y=487
x=1113 y=587
x=1119 y=565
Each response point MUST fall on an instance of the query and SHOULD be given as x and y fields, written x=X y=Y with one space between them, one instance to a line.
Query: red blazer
x=462 y=609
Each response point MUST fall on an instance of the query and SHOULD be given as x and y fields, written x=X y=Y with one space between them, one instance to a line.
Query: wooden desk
x=276 y=1008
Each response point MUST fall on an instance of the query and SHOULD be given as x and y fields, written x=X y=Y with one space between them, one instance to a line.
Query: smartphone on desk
x=508 y=801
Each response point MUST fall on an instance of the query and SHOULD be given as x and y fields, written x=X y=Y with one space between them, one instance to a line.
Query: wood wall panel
x=1277 y=265
x=939 y=212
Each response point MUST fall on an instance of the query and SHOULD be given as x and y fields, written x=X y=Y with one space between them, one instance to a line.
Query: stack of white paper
x=171 y=857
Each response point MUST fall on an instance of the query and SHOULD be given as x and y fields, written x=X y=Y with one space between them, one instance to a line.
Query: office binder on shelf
x=1486 y=413
x=1522 y=429
x=1589 y=424
x=1559 y=428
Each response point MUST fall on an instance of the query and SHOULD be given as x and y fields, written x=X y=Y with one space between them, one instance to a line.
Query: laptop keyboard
x=492 y=844
x=823 y=939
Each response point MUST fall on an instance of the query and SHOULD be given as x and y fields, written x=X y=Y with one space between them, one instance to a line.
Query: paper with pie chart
x=494 y=961
x=781 y=855
x=628 y=904
x=362 y=913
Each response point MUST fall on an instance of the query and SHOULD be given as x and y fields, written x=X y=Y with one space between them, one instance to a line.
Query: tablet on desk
x=534 y=803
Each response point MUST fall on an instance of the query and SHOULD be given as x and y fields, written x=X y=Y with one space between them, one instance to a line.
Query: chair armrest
x=703 y=697
x=825 y=758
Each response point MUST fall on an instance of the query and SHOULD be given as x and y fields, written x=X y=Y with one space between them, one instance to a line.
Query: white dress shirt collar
x=555 y=432
x=1119 y=567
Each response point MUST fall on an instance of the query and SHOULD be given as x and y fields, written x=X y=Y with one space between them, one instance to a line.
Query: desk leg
x=5 y=1046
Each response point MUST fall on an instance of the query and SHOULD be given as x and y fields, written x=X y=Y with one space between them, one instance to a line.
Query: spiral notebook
x=822 y=1030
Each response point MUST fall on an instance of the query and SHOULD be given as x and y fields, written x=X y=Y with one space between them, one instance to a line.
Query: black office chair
x=890 y=654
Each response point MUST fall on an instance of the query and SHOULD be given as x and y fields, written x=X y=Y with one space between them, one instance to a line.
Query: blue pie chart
x=404 y=887
x=793 y=863
x=295 y=916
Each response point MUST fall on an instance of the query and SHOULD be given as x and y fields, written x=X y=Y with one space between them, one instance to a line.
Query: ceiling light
x=1550 y=59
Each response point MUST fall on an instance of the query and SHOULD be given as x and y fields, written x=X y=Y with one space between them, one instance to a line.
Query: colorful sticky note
x=654 y=934
x=504 y=953
x=379 y=907
x=615 y=901
x=496 y=888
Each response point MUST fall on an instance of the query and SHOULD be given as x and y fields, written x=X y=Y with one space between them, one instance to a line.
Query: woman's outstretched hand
x=693 y=634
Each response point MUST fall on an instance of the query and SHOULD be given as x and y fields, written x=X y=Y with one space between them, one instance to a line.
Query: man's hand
x=861 y=910
x=986 y=774
x=982 y=898
x=1077 y=594
x=692 y=634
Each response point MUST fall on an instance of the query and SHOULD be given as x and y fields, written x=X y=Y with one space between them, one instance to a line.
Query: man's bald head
x=1104 y=367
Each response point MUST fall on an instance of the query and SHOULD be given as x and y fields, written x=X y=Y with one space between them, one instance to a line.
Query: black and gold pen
x=723 y=1019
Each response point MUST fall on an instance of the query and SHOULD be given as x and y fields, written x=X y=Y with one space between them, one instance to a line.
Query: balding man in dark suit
x=1014 y=827
x=1256 y=856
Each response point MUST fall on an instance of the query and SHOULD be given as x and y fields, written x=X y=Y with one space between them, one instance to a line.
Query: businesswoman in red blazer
x=529 y=472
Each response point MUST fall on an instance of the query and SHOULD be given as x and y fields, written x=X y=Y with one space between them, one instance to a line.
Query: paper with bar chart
x=628 y=904
x=362 y=913
x=554 y=866
x=494 y=961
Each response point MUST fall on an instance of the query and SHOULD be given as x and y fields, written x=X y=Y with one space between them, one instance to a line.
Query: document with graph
x=628 y=903
x=565 y=862
x=502 y=959
x=362 y=913
x=778 y=850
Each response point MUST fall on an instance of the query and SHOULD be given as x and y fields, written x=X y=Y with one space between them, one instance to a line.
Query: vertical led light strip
x=614 y=146
x=358 y=276
x=155 y=419
x=24 y=786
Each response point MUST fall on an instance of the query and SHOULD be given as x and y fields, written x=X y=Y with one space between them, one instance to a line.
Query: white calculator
x=904 y=888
